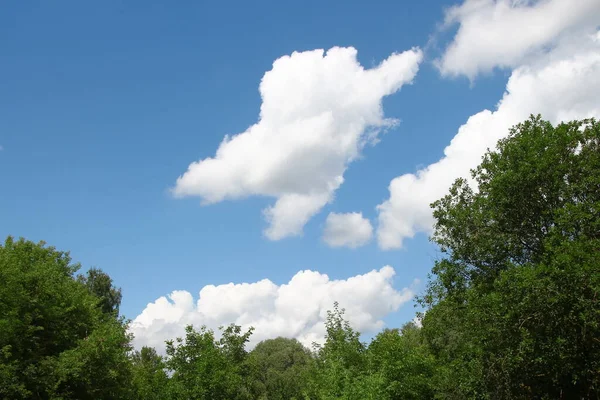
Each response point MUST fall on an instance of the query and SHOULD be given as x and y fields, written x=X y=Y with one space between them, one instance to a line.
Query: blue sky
x=104 y=105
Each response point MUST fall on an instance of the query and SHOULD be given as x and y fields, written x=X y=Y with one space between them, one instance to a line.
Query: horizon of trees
x=512 y=306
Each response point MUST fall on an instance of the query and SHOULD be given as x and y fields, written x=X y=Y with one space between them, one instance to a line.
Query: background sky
x=103 y=105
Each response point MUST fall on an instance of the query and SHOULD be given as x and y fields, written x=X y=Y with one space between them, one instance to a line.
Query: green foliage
x=97 y=368
x=341 y=362
x=101 y=285
x=513 y=307
x=150 y=381
x=54 y=340
x=404 y=364
x=279 y=369
x=206 y=368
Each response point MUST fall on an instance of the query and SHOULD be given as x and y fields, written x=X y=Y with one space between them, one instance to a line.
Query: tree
x=208 y=369
x=99 y=367
x=341 y=368
x=101 y=285
x=513 y=307
x=279 y=369
x=55 y=342
x=149 y=377
x=403 y=362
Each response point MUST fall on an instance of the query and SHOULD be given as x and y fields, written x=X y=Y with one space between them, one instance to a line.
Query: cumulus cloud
x=319 y=109
x=347 y=230
x=562 y=85
x=296 y=309
x=503 y=33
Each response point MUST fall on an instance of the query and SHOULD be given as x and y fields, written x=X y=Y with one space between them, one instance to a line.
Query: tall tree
x=54 y=340
x=341 y=367
x=514 y=310
x=101 y=285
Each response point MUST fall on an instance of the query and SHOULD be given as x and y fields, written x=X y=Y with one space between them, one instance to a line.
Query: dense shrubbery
x=512 y=309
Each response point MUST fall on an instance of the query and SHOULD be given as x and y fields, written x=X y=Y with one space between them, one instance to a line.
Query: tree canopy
x=55 y=339
x=513 y=307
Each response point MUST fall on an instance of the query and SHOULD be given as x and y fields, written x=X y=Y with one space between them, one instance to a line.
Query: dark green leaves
x=513 y=306
x=55 y=342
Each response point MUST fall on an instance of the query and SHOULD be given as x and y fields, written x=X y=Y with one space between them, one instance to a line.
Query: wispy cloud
x=347 y=230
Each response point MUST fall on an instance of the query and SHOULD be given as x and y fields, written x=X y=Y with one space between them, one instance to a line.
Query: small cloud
x=347 y=230
x=418 y=321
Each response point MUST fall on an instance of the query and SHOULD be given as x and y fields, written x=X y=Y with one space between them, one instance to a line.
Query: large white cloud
x=318 y=111
x=297 y=309
x=561 y=85
x=347 y=230
x=503 y=33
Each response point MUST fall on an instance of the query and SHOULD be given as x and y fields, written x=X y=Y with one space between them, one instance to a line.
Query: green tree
x=403 y=363
x=101 y=285
x=208 y=369
x=55 y=342
x=279 y=369
x=150 y=380
x=341 y=366
x=99 y=367
x=513 y=309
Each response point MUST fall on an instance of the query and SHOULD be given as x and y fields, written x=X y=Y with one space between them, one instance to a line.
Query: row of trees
x=61 y=338
x=512 y=306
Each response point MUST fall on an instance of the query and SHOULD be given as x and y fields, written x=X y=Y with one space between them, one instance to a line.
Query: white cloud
x=562 y=85
x=318 y=111
x=418 y=321
x=297 y=309
x=503 y=33
x=349 y=230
